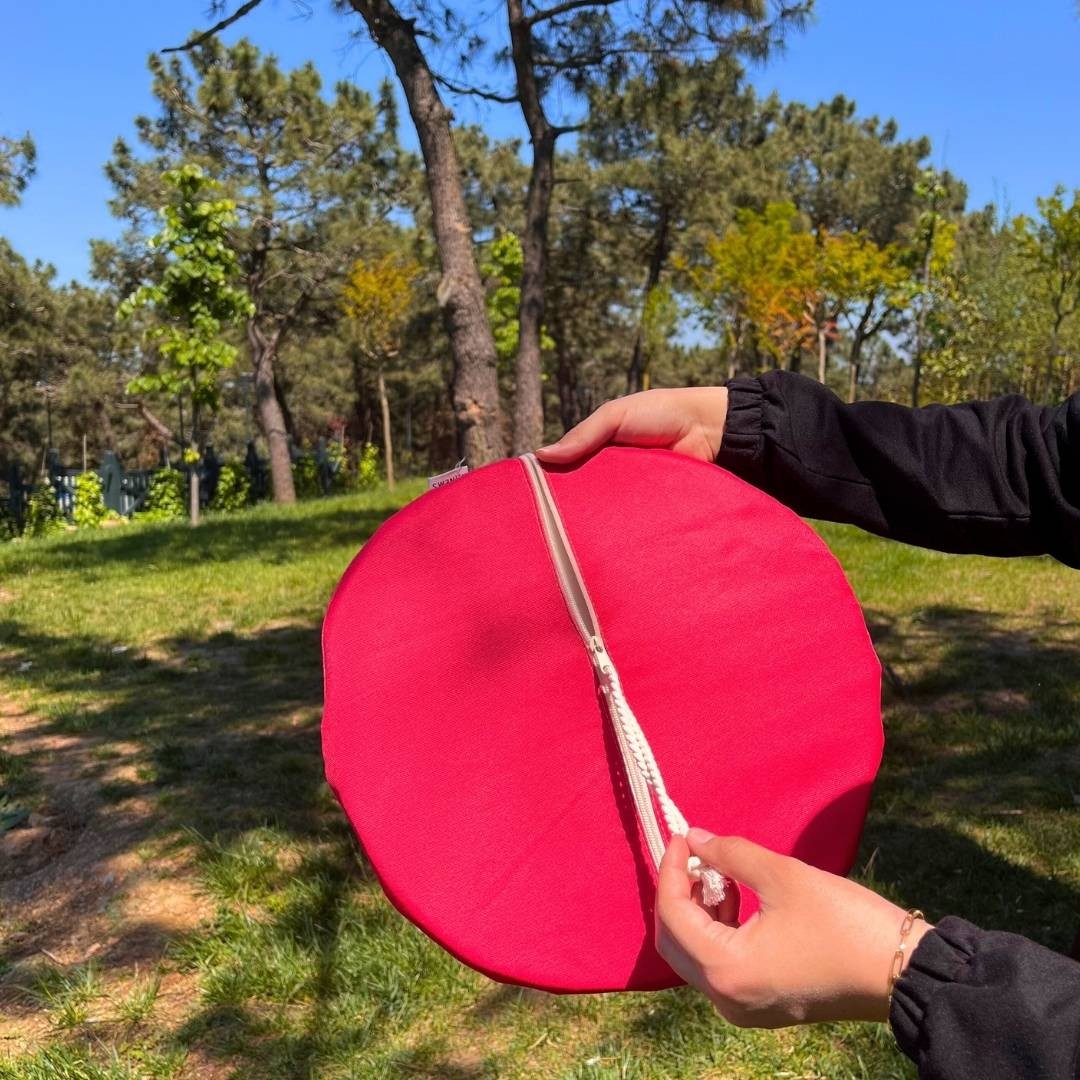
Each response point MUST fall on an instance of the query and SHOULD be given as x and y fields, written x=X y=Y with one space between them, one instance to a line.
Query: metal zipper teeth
x=583 y=614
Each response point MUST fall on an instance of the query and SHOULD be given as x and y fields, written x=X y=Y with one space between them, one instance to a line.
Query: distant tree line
x=672 y=228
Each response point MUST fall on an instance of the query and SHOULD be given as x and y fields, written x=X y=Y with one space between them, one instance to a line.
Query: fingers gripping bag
x=534 y=675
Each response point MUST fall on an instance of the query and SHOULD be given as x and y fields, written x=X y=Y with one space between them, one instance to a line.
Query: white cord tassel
x=643 y=762
x=642 y=773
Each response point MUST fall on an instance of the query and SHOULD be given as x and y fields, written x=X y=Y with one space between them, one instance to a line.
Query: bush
x=339 y=466
x=165 y=499
x=90 y=509
x=43 y=517
x=305 y=472
x=9 y=527
x=367 y=467
x=233 y=491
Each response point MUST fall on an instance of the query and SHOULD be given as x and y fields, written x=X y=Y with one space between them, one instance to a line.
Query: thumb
x=738 y=858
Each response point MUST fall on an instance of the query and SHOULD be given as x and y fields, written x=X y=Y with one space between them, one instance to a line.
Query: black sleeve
x=974 y=1004
x=997 y=477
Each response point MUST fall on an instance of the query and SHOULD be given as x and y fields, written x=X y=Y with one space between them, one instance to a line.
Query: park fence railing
x=125 y=490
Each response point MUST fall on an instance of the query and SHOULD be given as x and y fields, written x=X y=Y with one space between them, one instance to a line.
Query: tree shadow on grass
x=217 y=540
x=194 y=739
x=220 y=735
x=983 y=738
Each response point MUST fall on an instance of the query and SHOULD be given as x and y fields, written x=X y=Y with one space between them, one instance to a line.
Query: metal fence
x=125 y=490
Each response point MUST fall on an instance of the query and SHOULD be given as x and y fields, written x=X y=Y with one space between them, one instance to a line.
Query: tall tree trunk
x=858 y=338
x=268 y=412
x=528 y=393
x=822 y=352
x=387 y=437
x=283 y=404
x=480 y=420
x=920 y=319
x=360 y=426
x=566 y=378
x=660 y=249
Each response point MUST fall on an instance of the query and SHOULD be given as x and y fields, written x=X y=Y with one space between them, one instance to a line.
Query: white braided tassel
x=713 y=883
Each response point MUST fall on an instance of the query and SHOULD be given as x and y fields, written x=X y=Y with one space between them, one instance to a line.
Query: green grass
x=191 y=658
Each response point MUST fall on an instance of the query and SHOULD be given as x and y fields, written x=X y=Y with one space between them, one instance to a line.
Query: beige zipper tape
x=643 y=775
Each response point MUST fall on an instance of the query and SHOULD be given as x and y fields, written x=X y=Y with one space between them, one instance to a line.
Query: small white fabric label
x=448 y=477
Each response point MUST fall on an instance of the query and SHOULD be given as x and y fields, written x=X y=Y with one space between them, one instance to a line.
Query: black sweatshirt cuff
x=986 y=1003
x=741 y=446
x=937 y=961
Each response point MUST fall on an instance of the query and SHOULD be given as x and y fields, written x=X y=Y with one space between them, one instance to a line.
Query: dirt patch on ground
x=80 y=882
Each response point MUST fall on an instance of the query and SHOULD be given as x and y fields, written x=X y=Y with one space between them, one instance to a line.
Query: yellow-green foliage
x=90 y=509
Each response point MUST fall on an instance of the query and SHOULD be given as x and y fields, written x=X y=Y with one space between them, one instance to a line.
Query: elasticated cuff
x=741 y=447
x=938 y=960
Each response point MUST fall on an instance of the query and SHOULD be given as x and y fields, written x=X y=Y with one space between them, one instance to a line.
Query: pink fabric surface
x=466 y=739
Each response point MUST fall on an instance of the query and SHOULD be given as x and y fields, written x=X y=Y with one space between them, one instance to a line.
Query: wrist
x=911 y=930
x=919 y=929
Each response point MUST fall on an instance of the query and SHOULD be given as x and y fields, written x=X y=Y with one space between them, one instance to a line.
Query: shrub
x=339 y=466
x=9 y=527
x=367 y=467
x=165 y=499
x=43 y=515
x=233 y=491
x=90 y=509
x=305 y=472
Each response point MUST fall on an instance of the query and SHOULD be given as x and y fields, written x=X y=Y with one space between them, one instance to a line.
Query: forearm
x=998 y=478
x=975 y=1003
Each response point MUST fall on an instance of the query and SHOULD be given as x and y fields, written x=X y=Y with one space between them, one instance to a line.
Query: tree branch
x=475 y=91
x=206 y=35
x=544 y=14
x=159 y=427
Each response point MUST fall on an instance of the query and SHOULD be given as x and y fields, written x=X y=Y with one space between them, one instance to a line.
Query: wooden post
x=388 y=444
x=193 y=504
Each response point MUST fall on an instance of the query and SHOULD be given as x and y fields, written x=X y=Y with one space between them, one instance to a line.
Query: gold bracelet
x=897 y=965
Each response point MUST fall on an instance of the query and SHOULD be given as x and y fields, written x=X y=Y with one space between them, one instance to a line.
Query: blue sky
x=992 y=83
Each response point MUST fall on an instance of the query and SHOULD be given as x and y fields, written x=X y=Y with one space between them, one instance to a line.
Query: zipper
x=643 y=775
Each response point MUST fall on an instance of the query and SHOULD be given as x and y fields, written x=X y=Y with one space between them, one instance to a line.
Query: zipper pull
x=601 y=660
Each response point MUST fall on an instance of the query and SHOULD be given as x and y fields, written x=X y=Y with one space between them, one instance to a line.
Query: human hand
x=820 y=947
x=689 y=421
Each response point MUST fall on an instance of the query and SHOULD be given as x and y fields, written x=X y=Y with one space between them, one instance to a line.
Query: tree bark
x=156 y=425
x=480 y=420
x=528 y=394
x=920 y=319
x=388 y=442
x=566 y=378
x=822 y=352
x=283 y=404
x=858 y=338
x=661 y=248
x=268 y=411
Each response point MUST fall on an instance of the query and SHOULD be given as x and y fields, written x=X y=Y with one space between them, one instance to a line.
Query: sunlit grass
x=192 y=657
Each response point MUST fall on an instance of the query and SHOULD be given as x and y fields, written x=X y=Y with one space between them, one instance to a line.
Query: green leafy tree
x=556 y=53
x=852 y=175
x=379 y=296
x=1051 y=248
x=194 y=302
x=502 y=269
x=314 y=180
x=674 y=153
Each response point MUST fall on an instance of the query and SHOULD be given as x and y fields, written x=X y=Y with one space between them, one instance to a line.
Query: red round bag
x=468 y=740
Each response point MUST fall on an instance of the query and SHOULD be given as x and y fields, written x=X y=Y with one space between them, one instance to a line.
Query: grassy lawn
x=185 y=898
